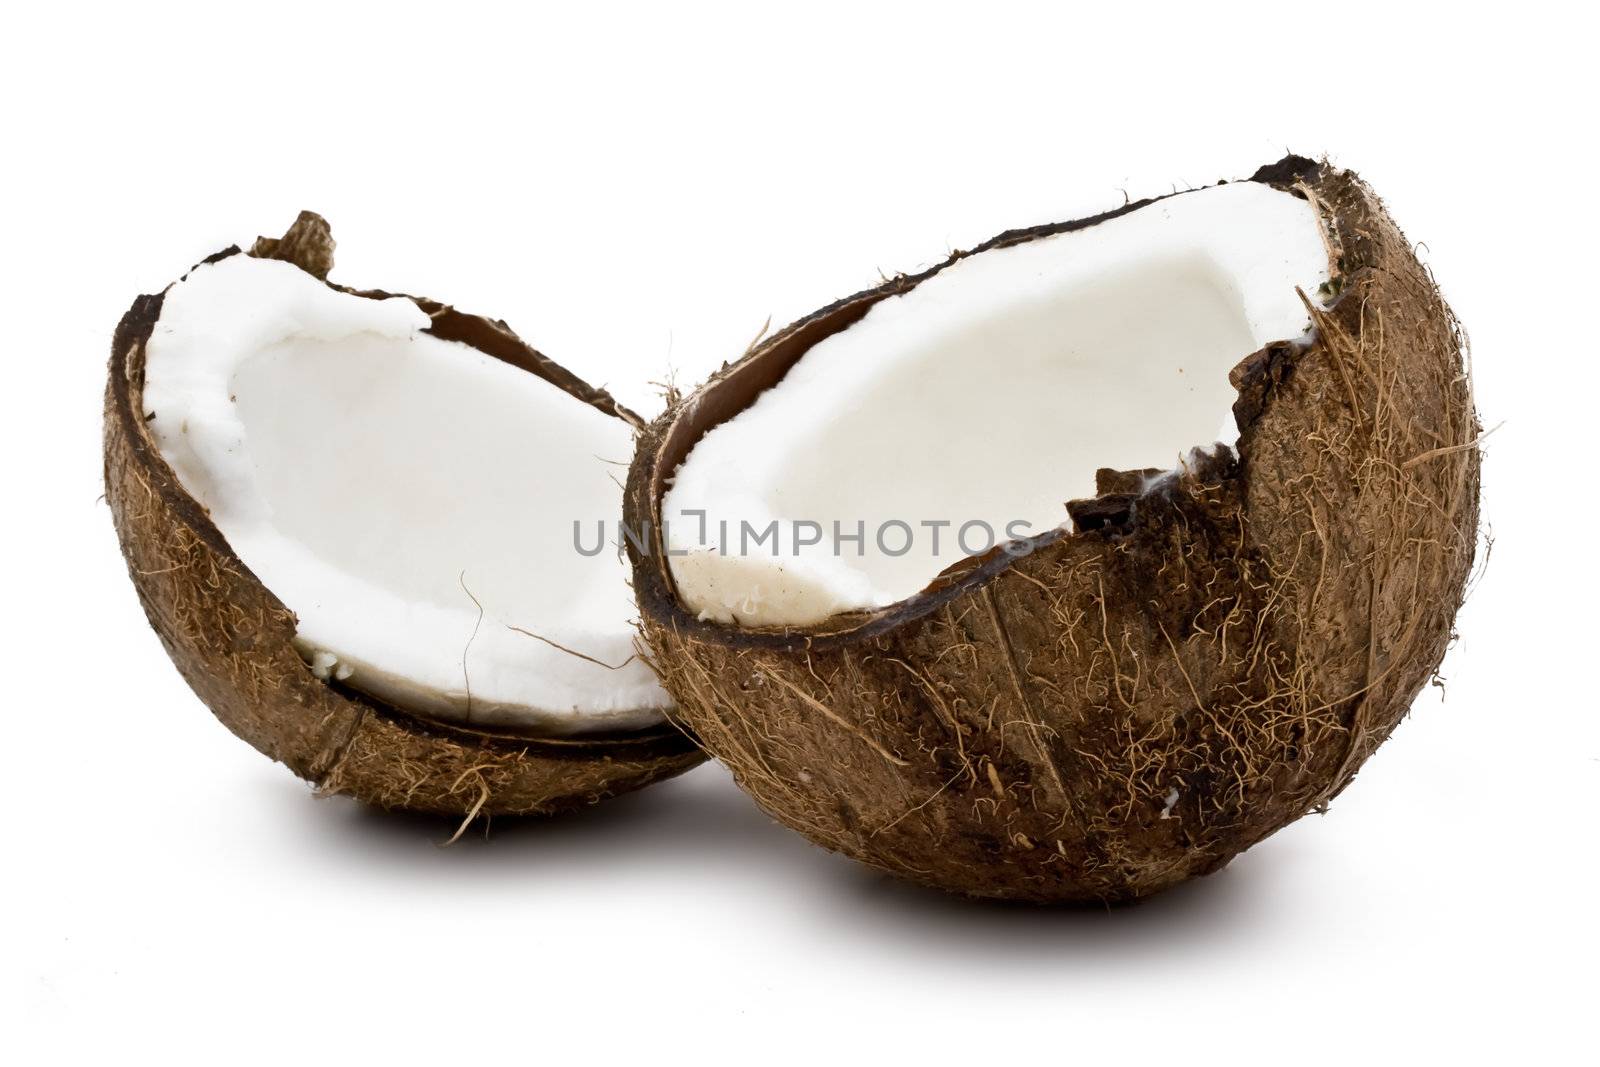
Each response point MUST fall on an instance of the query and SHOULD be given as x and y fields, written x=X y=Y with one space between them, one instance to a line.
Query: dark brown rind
x=231 y=639
x=1204 y=659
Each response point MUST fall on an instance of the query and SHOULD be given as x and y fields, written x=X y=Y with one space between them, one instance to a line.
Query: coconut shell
x=1189 y=667
x=231 y=638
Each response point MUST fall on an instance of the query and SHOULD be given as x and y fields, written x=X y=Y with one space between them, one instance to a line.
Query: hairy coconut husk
x=231 y=638
x=1191 y=667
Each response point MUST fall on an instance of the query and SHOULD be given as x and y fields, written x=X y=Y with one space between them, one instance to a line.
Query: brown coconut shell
x=231 y=638
x=1143 y=696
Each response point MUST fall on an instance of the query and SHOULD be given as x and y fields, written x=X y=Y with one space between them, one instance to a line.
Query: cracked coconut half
x=1215 y=458
x=350 y=516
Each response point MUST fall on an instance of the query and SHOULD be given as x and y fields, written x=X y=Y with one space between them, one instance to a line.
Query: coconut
x=1226 y=443
x=350 y=516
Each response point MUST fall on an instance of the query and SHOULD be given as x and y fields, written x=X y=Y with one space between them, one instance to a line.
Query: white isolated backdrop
x=637 y=189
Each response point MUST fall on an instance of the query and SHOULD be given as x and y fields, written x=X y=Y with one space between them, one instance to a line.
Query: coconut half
x=1226 y=444
x=352 y=518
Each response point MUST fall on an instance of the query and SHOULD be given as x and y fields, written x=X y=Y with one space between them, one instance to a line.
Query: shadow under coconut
x=700 y=826
x=1246 y=901
x=695 y=821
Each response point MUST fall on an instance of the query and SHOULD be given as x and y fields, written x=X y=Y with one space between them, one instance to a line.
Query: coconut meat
x=412 y=500
x=983 y=399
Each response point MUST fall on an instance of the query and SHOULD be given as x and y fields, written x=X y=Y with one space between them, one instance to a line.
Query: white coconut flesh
x=988 y=395
x=411 y=499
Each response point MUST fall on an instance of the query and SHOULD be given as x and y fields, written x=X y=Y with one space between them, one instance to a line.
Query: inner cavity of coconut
x=985 y=398
x=410 y=499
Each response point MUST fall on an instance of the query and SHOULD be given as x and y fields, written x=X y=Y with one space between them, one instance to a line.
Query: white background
x=636 y=191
